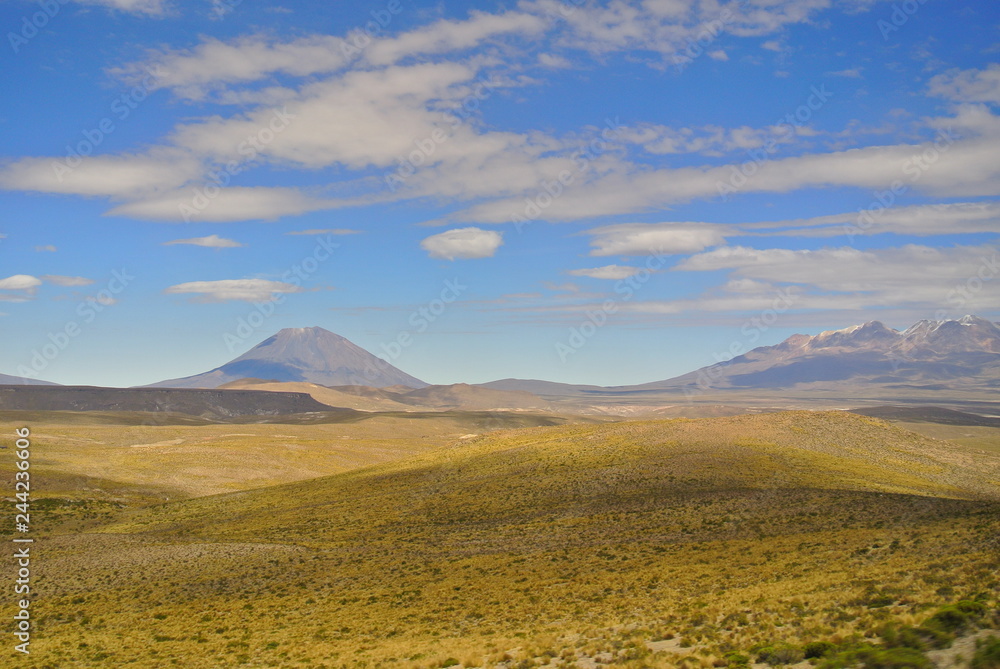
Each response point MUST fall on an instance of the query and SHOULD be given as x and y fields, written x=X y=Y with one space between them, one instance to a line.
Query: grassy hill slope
x=651 y=544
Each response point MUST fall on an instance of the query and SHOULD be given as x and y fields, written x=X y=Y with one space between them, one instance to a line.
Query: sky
x=606 y=192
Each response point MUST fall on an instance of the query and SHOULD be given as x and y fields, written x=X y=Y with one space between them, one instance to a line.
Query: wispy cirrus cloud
x=227 y=290
x=610 y=272
x=644 y=239
x=212 y=242
x=66 y=281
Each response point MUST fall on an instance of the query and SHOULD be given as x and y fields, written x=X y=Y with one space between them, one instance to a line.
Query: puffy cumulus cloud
x=20 y=282
x=226 y=290
x=19 y=287
x=66 y=281
x=360 y=119
x=643 y=239
x=968 y=85
x=463 y=243
x=613 y=272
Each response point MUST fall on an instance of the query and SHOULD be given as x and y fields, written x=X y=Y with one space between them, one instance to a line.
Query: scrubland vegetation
x=826 y=538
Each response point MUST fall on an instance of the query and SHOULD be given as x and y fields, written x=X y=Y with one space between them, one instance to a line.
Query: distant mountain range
x=930 y=355
x=8 y=380
x=312 y=355
x=961 y=354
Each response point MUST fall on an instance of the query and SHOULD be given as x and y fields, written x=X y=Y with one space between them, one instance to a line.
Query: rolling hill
x=212 y=404
x=654 y=544
x=461 y=396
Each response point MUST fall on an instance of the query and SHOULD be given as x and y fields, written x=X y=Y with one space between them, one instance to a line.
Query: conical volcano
x=303 y=354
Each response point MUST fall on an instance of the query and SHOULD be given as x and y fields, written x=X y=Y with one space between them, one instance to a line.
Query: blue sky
x=590 y=192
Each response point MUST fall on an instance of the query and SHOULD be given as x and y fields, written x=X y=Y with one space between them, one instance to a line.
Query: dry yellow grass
x=540 y=546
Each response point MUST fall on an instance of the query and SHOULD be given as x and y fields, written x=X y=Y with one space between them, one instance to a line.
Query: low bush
x=987 y=654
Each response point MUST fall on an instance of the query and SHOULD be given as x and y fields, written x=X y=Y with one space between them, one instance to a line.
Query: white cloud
x=66 y=281
x=192 y=73
x=843 y=283
x=771 y=45
x=20 y=282
x=445 y=35
x=117 y=176
x=919 y=220
x=712 y=140
x=229 y=204
x=907 y=275
x=968 y=85
x=718 y=54
x=150 y=7
x=19 y=288
x=246 y=290
x=464 y=243
x=962 y=164
x=643 y=239
x=554 y=61
x=212 y=241
x=214 y=64
x=613 y=272
x=47 y=248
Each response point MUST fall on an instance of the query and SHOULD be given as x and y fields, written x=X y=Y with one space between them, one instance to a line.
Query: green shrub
x=971 y=608
x=948 y=619
x=737 y=660
x=987 y=654
x=911 y=637
x=816 y=649
x=782 y=653
x=872 y=657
